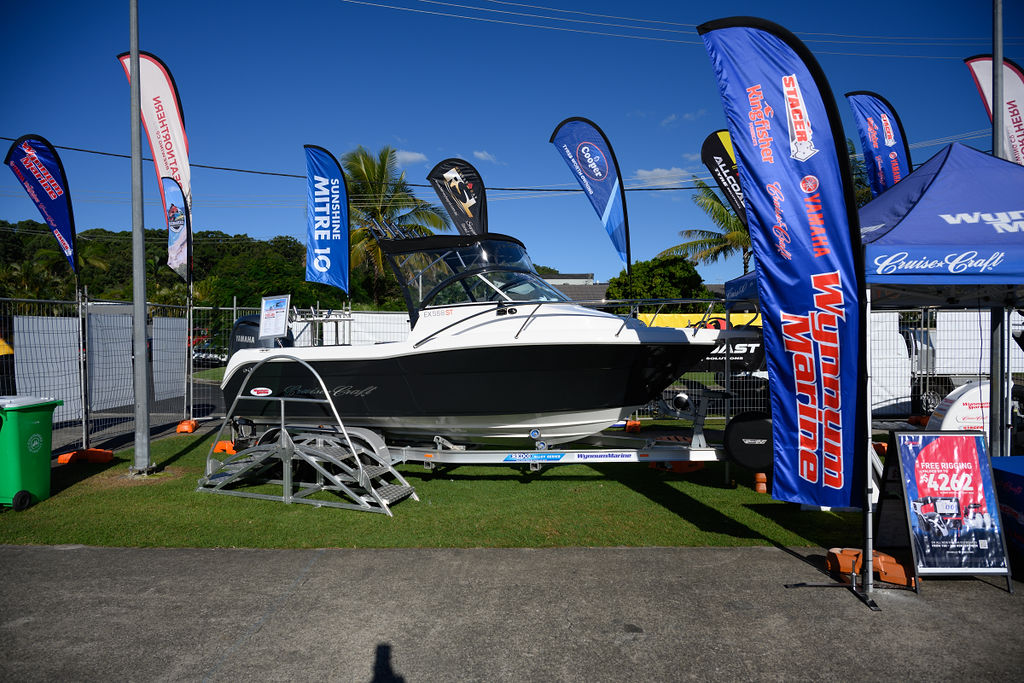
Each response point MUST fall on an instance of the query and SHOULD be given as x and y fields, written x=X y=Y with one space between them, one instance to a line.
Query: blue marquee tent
x=950 y=233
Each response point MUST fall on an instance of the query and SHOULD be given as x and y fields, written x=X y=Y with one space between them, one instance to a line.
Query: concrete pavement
x=567 y=614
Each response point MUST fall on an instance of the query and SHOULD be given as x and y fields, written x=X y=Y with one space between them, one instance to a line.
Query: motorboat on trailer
x=496 y=357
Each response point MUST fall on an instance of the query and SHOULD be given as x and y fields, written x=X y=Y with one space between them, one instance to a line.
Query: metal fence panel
x=46 y=361
x=918 y=356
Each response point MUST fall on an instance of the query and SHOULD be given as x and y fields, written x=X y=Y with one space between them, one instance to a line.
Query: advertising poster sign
x=951 y=503
x=164 y=121
x=585 y=149
x=327 y=220
x=720 y=159
x=886 y=153
x=35 y=164
x=274 y=316
x=1013 y=100
x=794 y=171
x=459 y=187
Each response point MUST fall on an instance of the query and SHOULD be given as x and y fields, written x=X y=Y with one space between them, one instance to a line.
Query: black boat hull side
x=507 y=380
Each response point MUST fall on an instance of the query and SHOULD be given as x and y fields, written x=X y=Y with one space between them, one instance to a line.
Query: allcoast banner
x=796 y=180
x=327 y=221
x=37 y=167
x=587 y=152
x=886 y=155
x=719 y=157
x=461 y=190
x=1013 y=100
x=165 y=127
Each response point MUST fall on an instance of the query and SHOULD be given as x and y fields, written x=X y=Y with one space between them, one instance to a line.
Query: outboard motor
x=246 y=335
x=748 y=440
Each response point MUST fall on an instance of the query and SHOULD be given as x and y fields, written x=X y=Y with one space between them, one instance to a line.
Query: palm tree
x=729 y=237
x=379 y=193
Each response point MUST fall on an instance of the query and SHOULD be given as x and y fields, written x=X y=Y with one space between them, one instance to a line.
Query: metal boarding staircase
x=355 y=464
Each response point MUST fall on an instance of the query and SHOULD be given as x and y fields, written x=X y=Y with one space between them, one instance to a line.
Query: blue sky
x=260 y=79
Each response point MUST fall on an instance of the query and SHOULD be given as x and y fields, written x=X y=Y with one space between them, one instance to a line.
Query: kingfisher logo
x=801 y=134
x=1000 y=221
x=260 y=391
x=592 y=160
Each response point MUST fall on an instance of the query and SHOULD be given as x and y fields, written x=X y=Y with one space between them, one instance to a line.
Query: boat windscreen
x=487 y=270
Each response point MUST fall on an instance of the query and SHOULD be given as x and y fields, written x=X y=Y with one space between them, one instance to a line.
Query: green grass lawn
x=471 y=506
x=210 y=374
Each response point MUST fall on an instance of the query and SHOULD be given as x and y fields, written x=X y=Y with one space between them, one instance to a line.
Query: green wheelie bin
x=26 y=434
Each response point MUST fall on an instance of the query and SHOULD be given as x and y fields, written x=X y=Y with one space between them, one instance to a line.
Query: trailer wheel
x=748 y=440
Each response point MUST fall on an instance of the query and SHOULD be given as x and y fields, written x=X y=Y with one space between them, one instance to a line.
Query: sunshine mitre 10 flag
x=882 y=139
x=587 y=152
x=327 y=220
x=164 y=122
x=37 y=167
x=795 y=175
x=1013 y=100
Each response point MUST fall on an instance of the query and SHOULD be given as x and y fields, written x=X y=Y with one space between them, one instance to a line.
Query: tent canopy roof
x=951 y=233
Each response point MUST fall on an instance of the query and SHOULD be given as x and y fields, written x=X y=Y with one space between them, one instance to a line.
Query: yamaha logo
x=809 y=184
x=260 y=391
x=592 y=160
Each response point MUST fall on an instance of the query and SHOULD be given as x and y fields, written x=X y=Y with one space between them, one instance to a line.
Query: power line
x=828 y=37
x=356 y=197
x=362 y=201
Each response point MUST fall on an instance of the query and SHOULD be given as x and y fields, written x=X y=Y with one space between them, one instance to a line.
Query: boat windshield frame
x=465 y=270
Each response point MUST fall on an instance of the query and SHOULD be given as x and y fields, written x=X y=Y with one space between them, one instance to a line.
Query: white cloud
x=692 y=157
x=694 y=115
x=669 y=120
x=407 y=158
x=660 y=176
x=484 y=155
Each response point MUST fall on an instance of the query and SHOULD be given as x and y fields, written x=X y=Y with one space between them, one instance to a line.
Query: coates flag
x=37 y=167
x=461 y=190
x=326 y=219
x=1013 y=100
x=165 y=127
x=803 y=226
x=720 y=159
x=586 y=150
x=886 y=155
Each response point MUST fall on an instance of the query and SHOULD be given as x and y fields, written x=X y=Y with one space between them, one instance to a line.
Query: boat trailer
x=357 y=466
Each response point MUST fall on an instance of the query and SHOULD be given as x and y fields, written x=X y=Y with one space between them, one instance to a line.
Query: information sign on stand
x=274 y=316
x=949 y=499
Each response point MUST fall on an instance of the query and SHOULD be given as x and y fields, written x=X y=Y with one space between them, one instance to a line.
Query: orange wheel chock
x=187 y=426
x=224 y=447
x=96 y=455
x=846 y=561
x=632 y=425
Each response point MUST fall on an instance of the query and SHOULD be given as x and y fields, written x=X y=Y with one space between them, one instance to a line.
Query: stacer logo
x=801 y=135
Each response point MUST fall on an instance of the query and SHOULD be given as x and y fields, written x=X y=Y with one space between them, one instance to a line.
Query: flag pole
x=141 y=463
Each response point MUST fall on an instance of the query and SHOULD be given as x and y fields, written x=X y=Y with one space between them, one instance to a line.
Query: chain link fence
x=81 y=352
